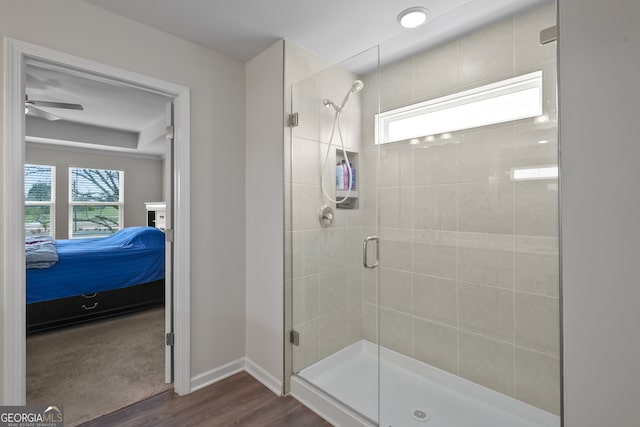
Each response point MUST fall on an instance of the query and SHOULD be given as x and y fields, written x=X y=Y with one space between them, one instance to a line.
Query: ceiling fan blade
x=40 y=113
x=57 y=105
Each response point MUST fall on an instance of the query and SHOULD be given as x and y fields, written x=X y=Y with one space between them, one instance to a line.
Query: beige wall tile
x=528 y=151
x=396 y=290
x=332 y=333
x=486 y=259
x=435 y=299
x=395 y=165
x=370 y=285
x=537 y=322
x=435 y=71
x=486 y=310
x=306 y=353
x=537 y=207
x=396 y=331
x=528 y=50
x=332 y=291
x=303 y=198
x=370 y=322
x=307 y=101
x=306 y=165
x=537 y=378
x=537 y=273
x=436 y=345
x=395 y=85
x=354 y=285
x=354 y=323
x=305 y=253
x=396 y=206
x=435 y=207
x=486 y=54
x=435 y=164
x=396 y=250
x=305 y=298
x=486 y=207
x=486 y=154
x=487 y=362
x=332 y=249
x=434 y=253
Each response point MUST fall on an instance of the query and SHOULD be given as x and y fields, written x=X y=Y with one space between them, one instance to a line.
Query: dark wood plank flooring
x=239 y=400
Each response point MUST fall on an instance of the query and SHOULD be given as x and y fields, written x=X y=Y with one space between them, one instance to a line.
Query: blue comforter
x=132 y=256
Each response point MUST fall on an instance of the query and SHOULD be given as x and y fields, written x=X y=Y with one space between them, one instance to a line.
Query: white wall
x=217 y=149
x=142 y=179
x=599 y=66
x=264 y=215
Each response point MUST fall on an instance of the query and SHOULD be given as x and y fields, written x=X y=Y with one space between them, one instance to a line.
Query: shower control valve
x=326 y=216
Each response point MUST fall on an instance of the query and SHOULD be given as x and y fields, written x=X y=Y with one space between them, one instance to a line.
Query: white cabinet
x=156 y=214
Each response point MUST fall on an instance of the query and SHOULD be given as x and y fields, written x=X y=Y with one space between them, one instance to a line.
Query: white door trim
x=16 y=53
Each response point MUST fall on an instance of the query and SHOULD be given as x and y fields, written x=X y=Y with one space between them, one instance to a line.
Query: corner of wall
x=264 y=215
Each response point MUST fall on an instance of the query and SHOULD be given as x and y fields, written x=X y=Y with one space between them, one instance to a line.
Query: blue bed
x=130 y=257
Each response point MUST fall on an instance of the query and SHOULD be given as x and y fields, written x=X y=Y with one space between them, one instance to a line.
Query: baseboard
x=217 y=374
x=260 y=374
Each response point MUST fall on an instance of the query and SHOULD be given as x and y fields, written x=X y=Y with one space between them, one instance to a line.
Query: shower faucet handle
x=326 y=216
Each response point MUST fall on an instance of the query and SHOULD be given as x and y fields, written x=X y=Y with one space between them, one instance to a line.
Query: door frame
x=13 y=286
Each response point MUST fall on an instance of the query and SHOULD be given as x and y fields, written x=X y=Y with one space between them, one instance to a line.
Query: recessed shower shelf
x=352 y=201
x=344 y=193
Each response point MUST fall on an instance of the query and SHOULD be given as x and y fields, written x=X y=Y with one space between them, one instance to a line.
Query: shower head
x=357 y=86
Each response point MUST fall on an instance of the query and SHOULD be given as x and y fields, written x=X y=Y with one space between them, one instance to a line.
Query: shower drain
x=420 y=415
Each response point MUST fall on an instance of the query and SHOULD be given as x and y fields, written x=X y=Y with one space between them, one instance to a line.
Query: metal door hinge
x=170 y=134
x=171 y=339
x=294 y=337
x=168 y=234
x=293 y=120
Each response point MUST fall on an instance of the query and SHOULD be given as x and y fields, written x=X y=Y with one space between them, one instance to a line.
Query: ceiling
x=333 y=29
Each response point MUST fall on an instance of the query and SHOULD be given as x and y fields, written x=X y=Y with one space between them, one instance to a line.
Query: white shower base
x=351 y=377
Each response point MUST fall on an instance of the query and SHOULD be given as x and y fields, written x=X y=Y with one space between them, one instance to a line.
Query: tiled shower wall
x=469 y=264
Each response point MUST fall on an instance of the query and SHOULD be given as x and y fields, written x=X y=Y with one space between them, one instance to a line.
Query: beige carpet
x=97 y=368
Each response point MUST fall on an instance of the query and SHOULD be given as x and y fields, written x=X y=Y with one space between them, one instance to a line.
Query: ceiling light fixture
x=413 y=17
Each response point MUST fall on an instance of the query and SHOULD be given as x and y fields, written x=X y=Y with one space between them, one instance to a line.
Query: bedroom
x=88 y=174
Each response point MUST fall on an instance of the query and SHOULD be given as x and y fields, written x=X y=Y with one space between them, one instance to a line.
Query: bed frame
x=46 y=315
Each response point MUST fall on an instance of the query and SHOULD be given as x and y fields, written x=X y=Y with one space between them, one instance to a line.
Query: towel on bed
x=40 y=252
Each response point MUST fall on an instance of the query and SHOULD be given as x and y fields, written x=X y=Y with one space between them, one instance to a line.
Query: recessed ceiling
x=333 y=29
x=109 y=108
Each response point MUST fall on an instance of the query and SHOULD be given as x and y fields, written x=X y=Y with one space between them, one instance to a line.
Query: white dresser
x=156 y=214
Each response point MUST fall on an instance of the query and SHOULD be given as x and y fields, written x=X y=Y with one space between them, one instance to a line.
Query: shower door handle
x=364 y=251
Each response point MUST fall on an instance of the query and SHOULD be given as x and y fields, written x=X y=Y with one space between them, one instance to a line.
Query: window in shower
x=511 y=99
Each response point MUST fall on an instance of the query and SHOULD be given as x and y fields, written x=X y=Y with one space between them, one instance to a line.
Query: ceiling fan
x=31 y=107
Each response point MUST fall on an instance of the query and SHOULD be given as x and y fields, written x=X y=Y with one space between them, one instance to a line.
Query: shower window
x=512 y=99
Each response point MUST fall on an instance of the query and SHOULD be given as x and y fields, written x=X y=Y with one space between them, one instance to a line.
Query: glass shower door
x=331 y=208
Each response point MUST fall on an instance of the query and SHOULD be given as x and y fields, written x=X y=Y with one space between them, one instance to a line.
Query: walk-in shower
x=458 y=323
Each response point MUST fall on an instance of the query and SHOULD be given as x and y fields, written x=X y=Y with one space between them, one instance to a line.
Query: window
x=95 y=202
x=39 y=200
x=512 y=99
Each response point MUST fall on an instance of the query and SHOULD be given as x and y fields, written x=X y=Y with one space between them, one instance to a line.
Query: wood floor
x=239 y=400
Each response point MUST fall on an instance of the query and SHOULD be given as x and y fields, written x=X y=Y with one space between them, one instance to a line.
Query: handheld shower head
x=357 y=86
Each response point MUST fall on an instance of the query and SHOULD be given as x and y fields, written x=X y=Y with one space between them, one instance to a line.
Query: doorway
x=18 y=54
